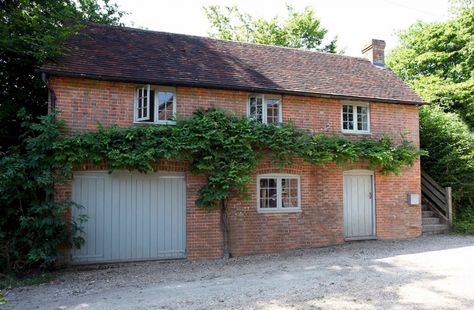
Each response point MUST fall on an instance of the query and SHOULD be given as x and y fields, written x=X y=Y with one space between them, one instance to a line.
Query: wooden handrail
x=439 y=198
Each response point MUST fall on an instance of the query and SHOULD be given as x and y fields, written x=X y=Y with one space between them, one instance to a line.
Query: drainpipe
x=51 y=95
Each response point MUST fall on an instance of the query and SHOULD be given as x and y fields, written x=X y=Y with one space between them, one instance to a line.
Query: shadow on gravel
x=423 y=273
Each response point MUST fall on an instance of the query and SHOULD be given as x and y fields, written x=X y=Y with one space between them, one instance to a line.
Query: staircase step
x=435 y=229
x=431 y=220
x=428 y=213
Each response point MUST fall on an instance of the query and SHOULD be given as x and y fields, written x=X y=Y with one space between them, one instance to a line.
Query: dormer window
x=265 y=109
x=155 y=104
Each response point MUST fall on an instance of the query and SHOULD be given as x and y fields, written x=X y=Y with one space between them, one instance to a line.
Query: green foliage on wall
x=225 y=148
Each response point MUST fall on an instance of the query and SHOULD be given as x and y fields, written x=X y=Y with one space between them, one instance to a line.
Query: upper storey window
x=265 y=109
x=355 y=118
x=155 y=104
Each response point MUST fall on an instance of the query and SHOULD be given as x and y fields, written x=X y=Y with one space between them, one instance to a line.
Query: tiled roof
x=135 y=55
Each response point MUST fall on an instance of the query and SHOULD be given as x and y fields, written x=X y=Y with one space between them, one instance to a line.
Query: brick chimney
x=375 y=52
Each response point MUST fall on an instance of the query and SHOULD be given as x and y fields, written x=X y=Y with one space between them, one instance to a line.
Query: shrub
x=32 y=225
x=223 y=147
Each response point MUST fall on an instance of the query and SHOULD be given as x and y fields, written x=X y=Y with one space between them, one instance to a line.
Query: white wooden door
x=359 y=206
x=131 y=216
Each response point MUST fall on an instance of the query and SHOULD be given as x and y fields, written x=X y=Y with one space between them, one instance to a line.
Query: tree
x=437 y=60
x=298 y=30
x=31 y=33
x=32 y=224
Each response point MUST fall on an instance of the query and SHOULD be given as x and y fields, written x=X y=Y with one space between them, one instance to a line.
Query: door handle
x=370 y=195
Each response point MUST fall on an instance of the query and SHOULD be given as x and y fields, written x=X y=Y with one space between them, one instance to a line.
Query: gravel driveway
x=430 y=272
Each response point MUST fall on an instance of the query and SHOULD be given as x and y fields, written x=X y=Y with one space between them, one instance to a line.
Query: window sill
x=353 y=132
x=279 y=211
x=155 y=123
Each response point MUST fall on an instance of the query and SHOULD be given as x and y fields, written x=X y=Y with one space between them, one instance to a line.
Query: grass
x=3 y=300
x=11 y=281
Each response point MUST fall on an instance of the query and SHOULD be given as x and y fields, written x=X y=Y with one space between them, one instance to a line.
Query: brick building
x=130 y=77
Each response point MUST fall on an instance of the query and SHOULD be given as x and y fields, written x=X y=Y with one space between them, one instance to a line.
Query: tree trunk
x=225 y=228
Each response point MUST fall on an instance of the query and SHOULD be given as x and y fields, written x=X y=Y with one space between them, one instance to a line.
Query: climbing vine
x=225 y=148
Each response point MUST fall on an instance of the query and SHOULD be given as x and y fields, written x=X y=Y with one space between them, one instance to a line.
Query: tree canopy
x=32 y=224
x=30 y=33
x=297 y=30
x=437 y=60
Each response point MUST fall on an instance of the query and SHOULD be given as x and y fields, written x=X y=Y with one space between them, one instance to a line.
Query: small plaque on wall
x=413 y=199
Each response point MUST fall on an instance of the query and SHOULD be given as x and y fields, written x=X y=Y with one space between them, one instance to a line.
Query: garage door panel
x=131 y=216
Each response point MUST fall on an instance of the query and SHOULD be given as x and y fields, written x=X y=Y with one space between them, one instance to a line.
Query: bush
x=464 y=221
x=451 y=157
x=32 y=225
x=223 y=147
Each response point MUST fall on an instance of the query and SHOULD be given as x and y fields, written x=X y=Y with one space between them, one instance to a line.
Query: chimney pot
x=375 y=52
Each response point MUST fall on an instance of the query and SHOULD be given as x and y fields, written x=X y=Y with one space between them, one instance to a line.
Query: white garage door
x=131 y=216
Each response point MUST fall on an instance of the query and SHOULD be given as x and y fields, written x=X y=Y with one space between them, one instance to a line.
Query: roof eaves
x=165 y=82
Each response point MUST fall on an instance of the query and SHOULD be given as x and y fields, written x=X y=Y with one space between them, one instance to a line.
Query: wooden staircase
x=432 y=223
x=437 y=214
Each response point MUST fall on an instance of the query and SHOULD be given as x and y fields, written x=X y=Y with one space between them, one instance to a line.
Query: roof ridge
x=130 y=54
x=226 y=41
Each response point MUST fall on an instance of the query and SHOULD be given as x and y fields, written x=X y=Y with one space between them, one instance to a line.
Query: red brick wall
x=83 y=103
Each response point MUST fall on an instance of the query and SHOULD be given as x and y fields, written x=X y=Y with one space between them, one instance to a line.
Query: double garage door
x=130 y=216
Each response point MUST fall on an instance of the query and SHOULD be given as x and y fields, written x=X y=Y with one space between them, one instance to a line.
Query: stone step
x=431 y=220
x=428 y=213
x=435 y=229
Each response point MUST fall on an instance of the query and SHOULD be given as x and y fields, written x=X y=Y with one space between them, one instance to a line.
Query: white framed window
x=278 y=193
x=155 y=105
x=355 y=118
x=265 y=108
x=142 y=104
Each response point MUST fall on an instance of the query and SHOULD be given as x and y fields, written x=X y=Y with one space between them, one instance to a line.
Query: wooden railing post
x=449 y=200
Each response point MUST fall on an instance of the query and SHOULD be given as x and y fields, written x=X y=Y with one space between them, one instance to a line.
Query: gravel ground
x=430 y=272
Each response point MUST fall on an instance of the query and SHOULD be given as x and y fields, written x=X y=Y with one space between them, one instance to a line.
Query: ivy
x=225 y=148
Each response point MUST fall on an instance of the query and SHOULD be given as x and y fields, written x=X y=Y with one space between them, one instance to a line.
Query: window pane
x=293 y=202
x=347 y=117
x=141 y=103
x=271 y=186
x=289 y=192
x=272 y=183
x=362 y=123
x=165 y=106
x=256 y=108
x=272 y=110
x=152 y=106
x=268 y=193
x=272 y=193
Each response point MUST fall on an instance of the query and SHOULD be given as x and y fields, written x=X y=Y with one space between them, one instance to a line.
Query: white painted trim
x=264 y=106
x=159 y=173
x=156 y=89
x=143 y=88
x=279 y=208
x=354 y=105
x=359 y=172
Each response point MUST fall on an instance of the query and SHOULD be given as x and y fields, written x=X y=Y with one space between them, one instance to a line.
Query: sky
x=354 y=22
